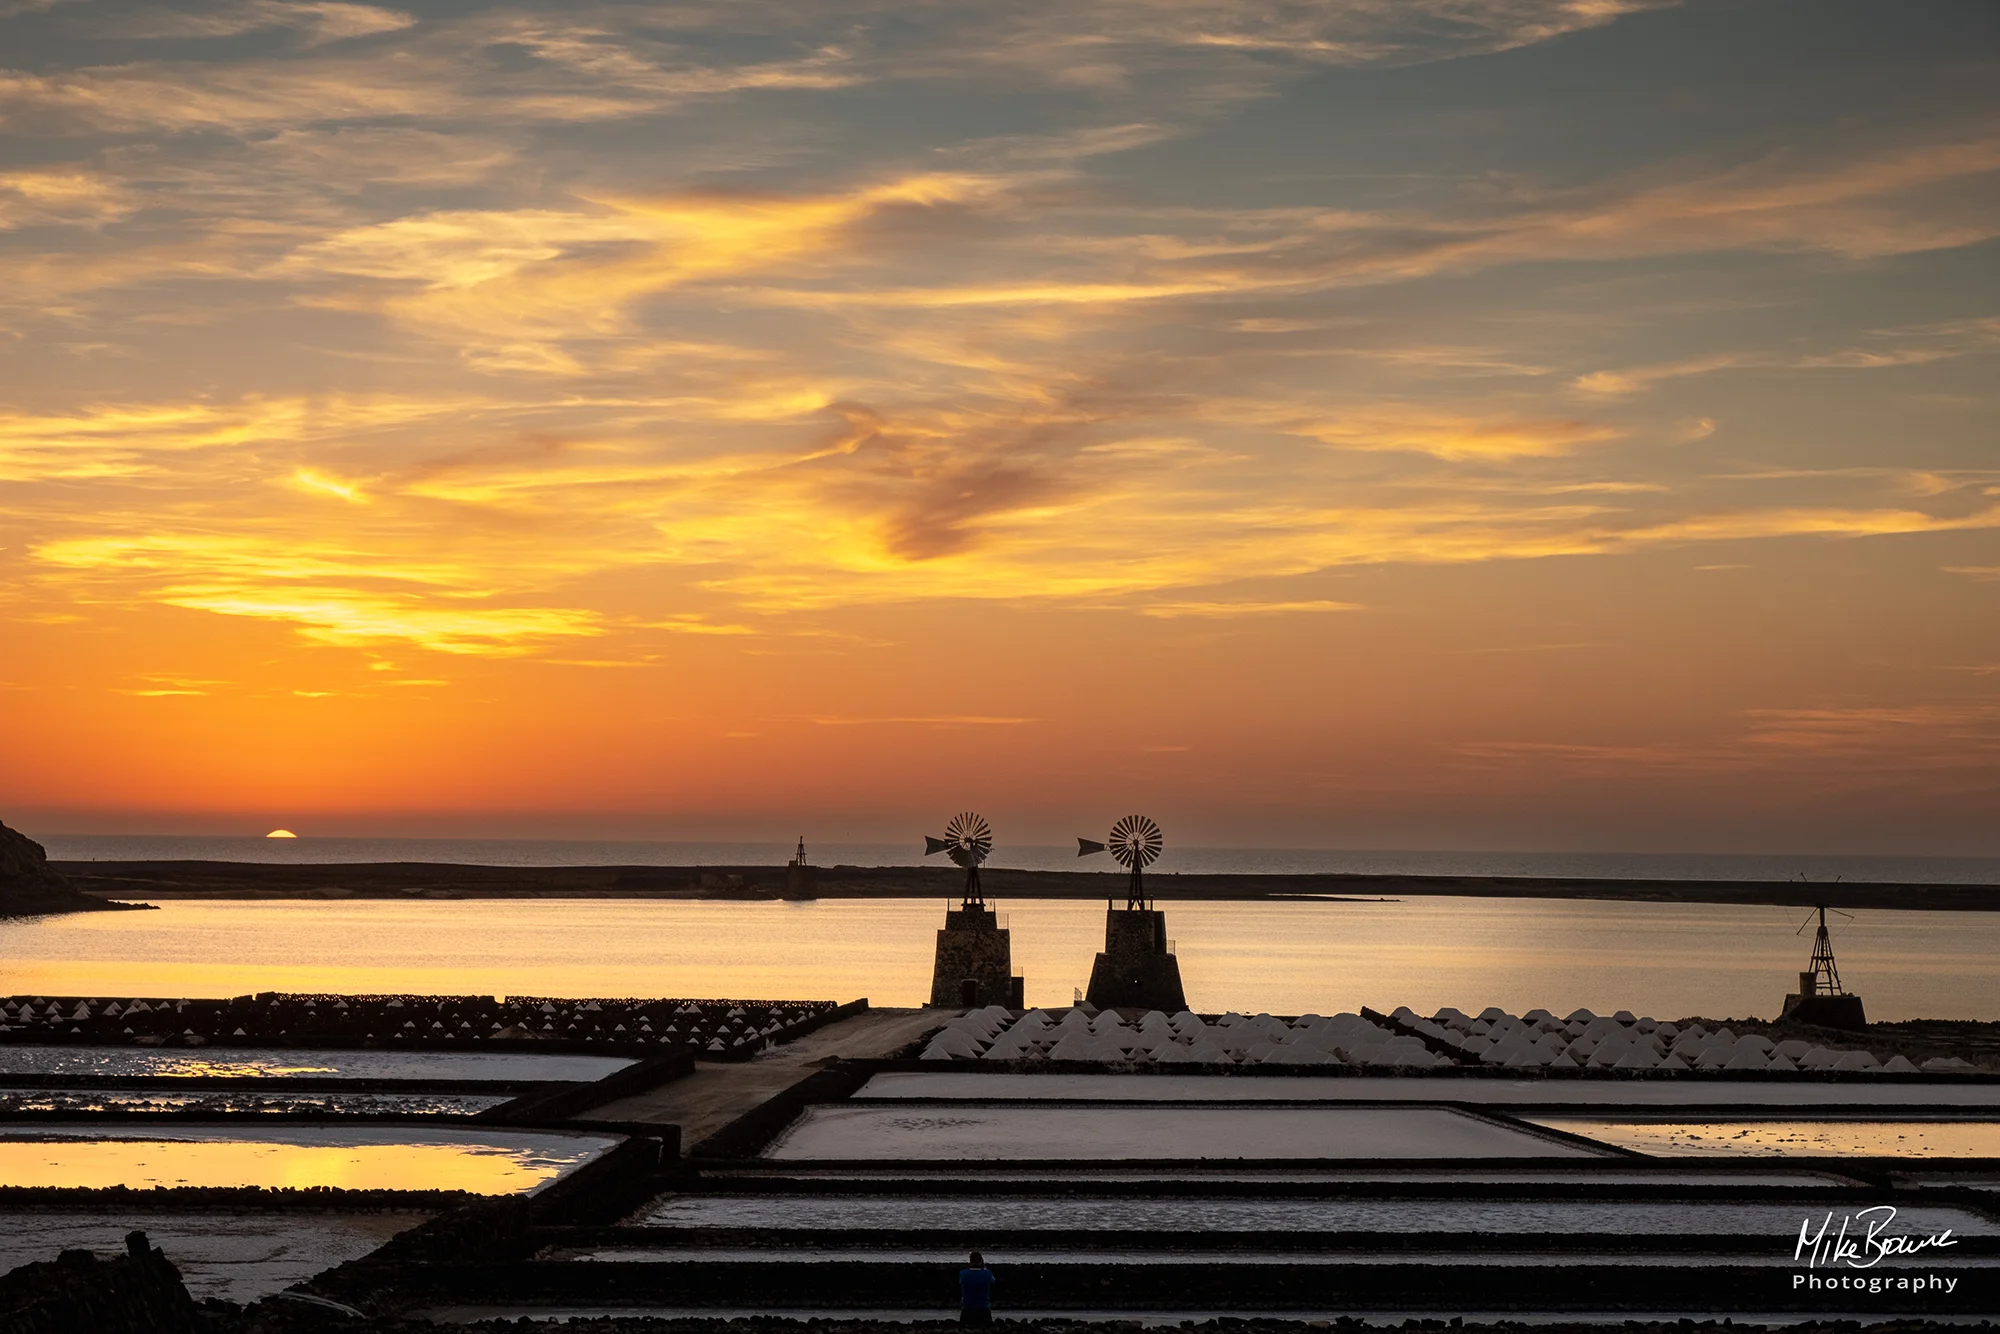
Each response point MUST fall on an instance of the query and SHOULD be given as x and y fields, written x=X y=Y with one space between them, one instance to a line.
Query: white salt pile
x=1622 y=1041
x=1081 y=1034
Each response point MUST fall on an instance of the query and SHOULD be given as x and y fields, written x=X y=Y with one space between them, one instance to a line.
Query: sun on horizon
x=281 y=833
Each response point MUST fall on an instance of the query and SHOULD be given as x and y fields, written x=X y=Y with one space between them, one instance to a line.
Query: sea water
x=1670 y=960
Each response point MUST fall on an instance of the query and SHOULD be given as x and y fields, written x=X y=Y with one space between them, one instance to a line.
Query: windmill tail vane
x=933 y=846
x=1086 y=846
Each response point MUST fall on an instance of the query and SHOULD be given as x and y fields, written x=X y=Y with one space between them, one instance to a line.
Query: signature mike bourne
x=1862 y=1240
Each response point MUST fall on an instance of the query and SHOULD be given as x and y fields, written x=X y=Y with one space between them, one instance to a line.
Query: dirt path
x=715 y=1095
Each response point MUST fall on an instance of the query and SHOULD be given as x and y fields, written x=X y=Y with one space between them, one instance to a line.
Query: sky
x=1524 y=424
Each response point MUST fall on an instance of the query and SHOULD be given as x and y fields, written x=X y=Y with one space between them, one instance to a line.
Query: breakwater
x=420 y=880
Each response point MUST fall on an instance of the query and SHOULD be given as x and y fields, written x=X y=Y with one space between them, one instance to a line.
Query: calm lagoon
x=1668 y=960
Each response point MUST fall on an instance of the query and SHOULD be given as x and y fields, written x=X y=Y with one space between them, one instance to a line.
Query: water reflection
x=279 y=1063
x=1670 y=960
x=1831 y=1139
x=385 y=1158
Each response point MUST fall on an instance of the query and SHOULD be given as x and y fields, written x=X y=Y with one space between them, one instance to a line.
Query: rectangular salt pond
x=1059 y=1213
x=1598 y=1172
x=1802 y=1139
x=237 y=1256
x=407 y=1157
x=1608 y=1092
x=178 y=1062
x=15 y=1102
x=1779 y=1258
x=1140 y=1319
x=1079 y=1133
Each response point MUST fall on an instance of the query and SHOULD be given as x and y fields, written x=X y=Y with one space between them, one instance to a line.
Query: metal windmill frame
x=1826 y=977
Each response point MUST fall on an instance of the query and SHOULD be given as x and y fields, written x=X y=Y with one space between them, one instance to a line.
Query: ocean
x=564 y=852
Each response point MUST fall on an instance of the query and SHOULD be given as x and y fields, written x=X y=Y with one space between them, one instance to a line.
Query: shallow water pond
x=960 y=1132
x=353 y=1158
x=239 y=1257
x=292 y=1063
x=1057 y=1213
x=1830 y=1139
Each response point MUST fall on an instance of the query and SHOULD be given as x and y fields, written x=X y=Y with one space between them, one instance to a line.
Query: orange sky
x=1562 y=426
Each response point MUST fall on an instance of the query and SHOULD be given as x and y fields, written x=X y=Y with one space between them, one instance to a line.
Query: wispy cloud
x=1227 y=610
x=646 y=338
x=924 y=720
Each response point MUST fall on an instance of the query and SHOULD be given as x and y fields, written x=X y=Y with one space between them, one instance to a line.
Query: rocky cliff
x=29 y=885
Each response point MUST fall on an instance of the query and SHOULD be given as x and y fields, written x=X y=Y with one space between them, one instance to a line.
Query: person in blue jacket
x=975 y=1293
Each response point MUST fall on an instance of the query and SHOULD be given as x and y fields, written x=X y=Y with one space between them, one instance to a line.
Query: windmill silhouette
x=968 y=840
x=1137 y=969
x=1825 y=978
x=1821 y=999
x=1134 y=843
x=975 y=953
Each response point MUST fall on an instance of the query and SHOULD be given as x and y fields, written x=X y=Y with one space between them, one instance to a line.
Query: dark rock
x=140 y=1292
x=29 y=885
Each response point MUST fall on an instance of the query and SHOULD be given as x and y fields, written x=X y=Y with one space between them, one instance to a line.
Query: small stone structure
x=801 y=876
x=1136 y=969
x=975 y=961
x=1810 y=1006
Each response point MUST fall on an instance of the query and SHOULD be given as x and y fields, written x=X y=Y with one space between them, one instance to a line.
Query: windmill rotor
x=1135 y=842
x=968 y=841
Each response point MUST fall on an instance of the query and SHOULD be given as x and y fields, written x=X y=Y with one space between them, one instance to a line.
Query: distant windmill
x=1135 y=843
x=968 y=840
x=1825 y=977
x=1821 y=999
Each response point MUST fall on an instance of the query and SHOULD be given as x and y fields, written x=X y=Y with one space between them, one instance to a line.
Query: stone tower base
x=975 y=962
x=1827 y=1011
x=1135 y=969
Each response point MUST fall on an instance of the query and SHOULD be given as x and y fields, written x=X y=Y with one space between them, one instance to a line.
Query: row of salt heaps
x=1624 y=1041
x=1081 y=1034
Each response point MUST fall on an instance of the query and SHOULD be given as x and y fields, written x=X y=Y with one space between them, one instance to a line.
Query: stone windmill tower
x=975 y=954
x=1137 y=969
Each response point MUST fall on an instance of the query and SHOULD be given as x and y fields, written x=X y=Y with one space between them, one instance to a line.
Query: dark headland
x=31 y=887
x=158 y=880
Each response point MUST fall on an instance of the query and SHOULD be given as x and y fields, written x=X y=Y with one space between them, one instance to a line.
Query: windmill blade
x=1086 y=846
x=933 y=846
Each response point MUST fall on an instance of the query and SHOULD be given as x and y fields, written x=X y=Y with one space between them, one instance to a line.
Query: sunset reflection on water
x=1805 y=1139
x=344 y=1158
x=1669 y=960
